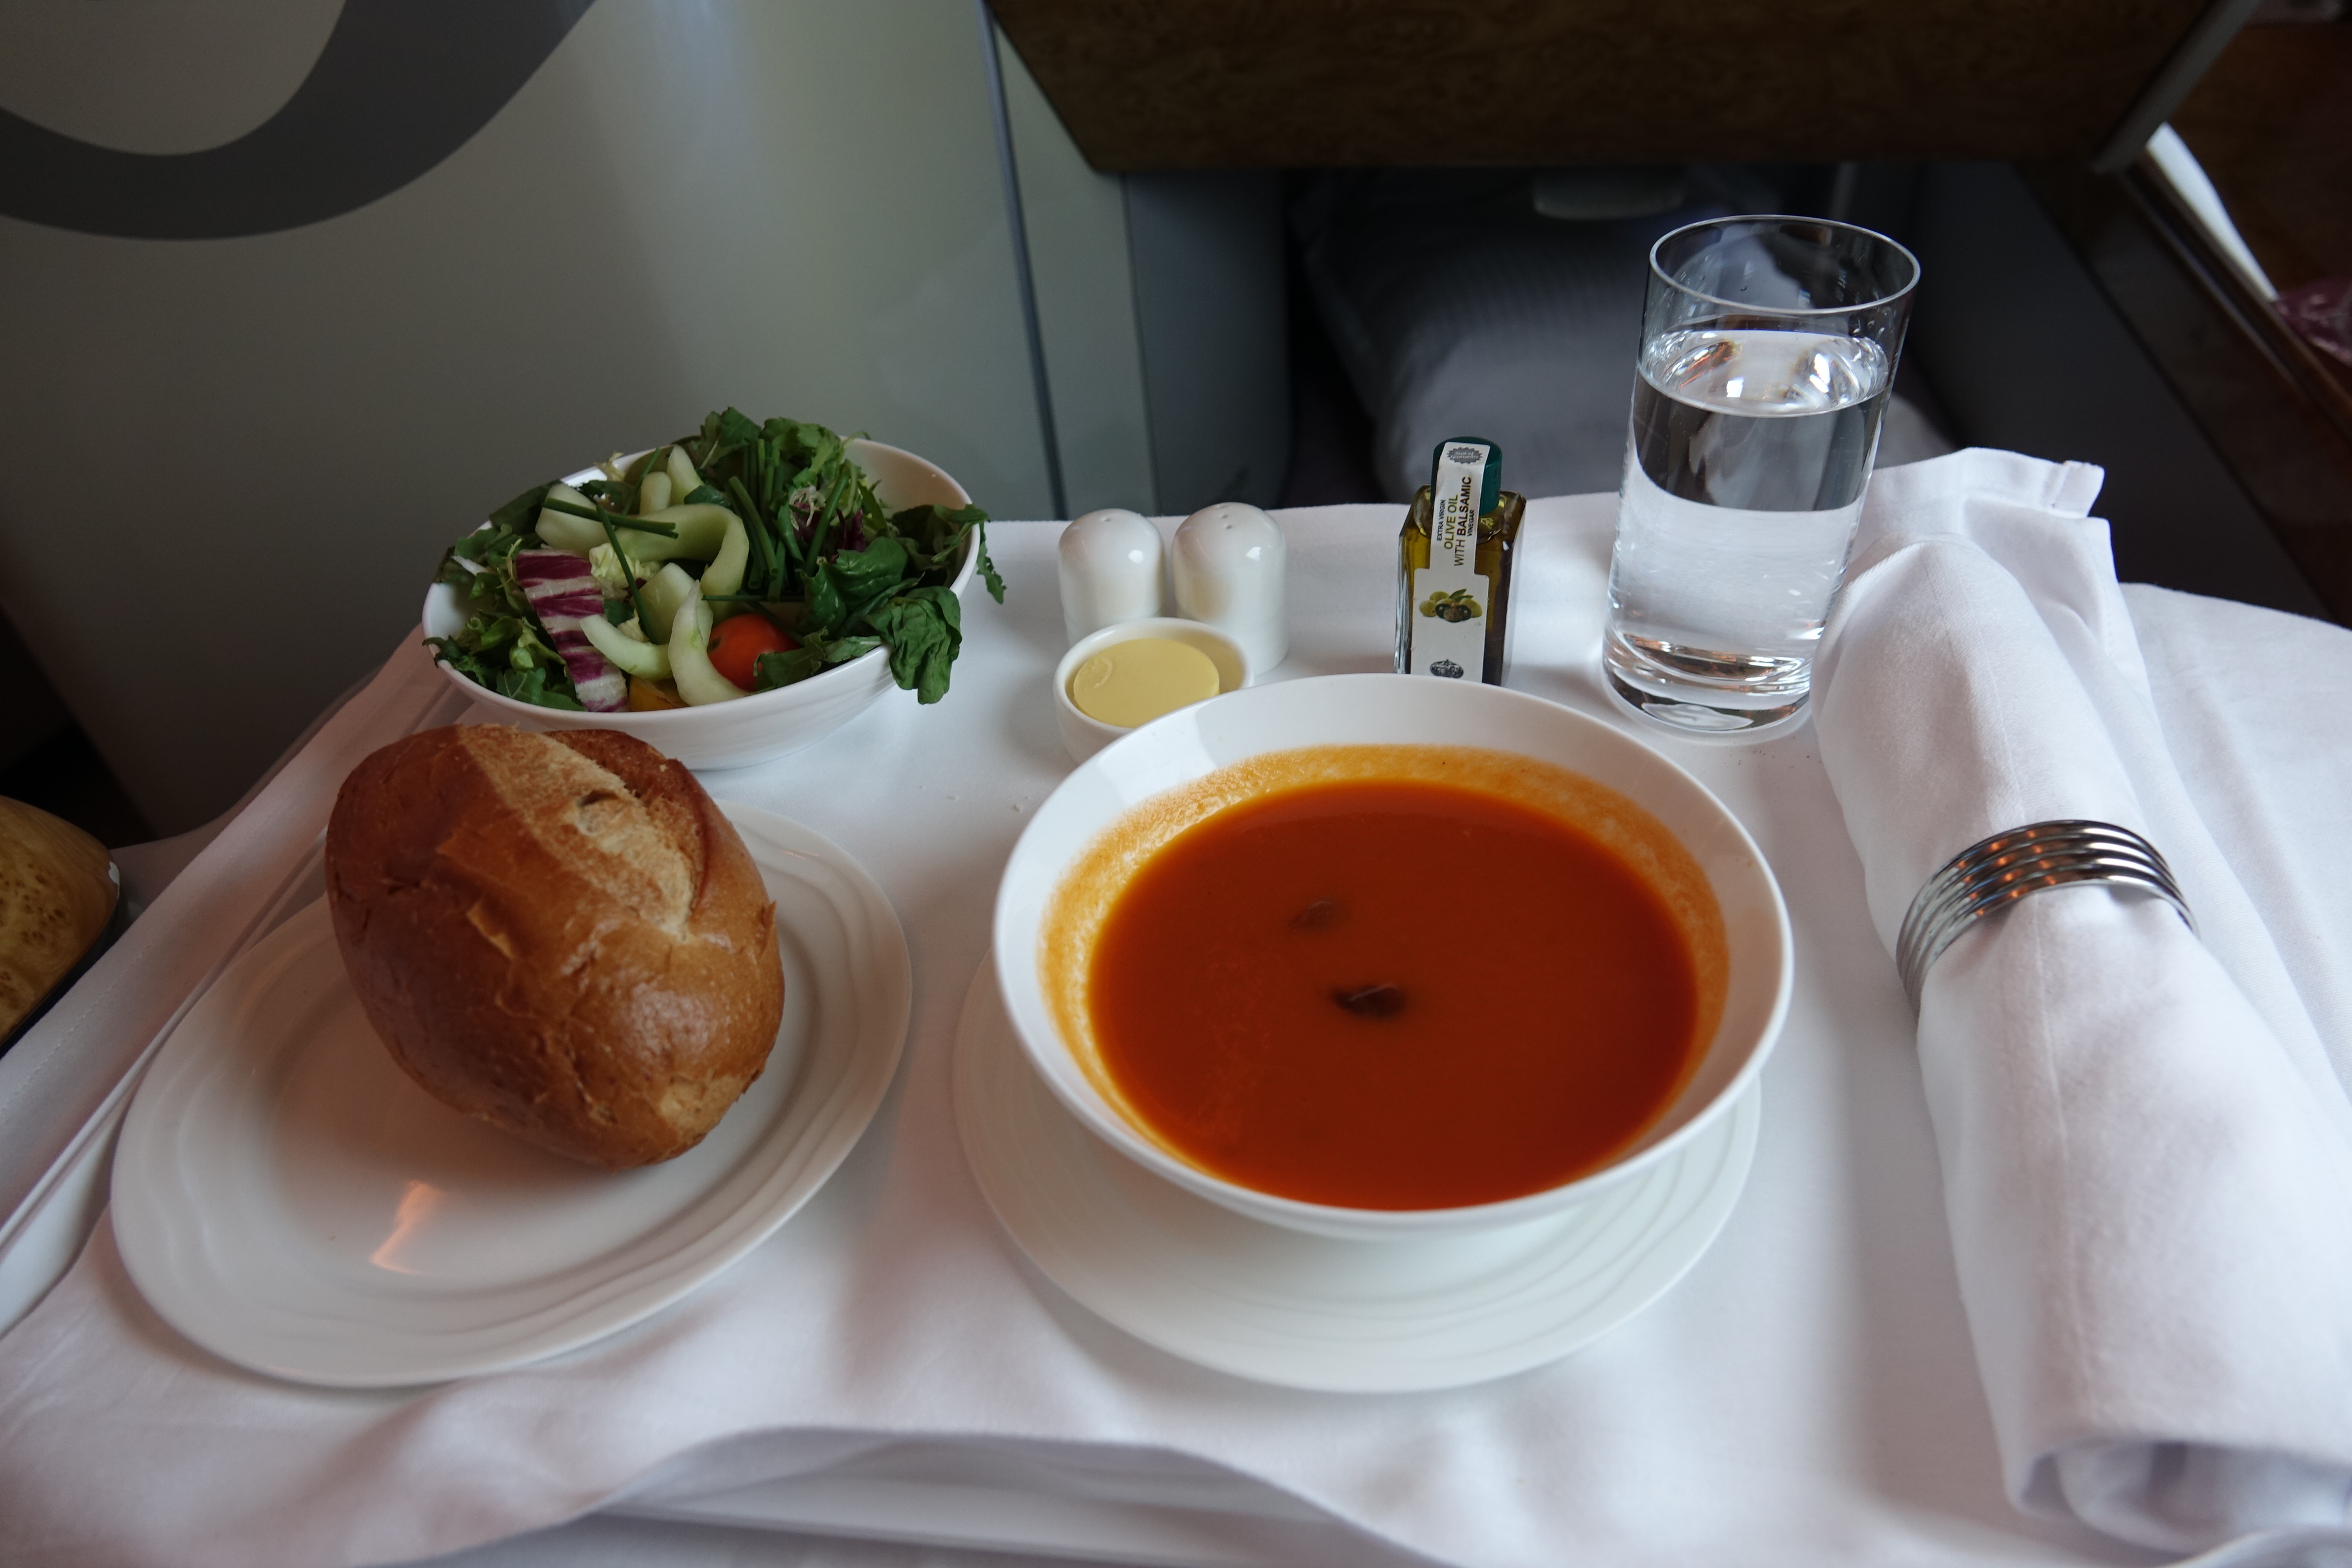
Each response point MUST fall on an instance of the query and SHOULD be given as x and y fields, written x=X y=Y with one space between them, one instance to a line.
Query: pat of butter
x=1135 y=682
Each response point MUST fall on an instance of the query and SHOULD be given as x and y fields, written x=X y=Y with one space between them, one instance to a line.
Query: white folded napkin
x=2146 y=1151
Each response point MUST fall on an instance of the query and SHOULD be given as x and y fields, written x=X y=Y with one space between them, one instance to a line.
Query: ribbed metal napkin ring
x=1994 y=873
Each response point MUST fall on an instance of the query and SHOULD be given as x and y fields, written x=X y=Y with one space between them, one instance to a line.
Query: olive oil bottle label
x=1449 y=596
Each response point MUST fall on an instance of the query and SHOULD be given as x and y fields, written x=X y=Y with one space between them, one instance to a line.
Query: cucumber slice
x=683 y=480
x=725 y=573
x=625 y=652
x=664 y=592
x=689 y=658
x=561 y=530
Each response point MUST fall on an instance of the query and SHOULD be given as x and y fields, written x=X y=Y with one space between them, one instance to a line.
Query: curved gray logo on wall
x=400 y=86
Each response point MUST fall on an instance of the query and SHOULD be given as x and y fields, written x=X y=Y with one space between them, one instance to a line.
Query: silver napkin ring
x=1987 y=877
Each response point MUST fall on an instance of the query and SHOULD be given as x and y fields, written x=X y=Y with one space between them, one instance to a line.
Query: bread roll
x=558 y=933
x=56 y=896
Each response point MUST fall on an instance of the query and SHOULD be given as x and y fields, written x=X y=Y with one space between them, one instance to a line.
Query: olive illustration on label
x=1455 y=604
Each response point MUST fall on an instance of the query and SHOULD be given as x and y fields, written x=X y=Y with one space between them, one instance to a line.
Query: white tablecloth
x=1807 y=1395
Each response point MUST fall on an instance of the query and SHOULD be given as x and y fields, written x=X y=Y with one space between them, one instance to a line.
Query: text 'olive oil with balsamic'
x=1454 y=566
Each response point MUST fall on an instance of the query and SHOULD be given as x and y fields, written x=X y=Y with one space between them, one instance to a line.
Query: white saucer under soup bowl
x=766 y=724
x=1341 y=710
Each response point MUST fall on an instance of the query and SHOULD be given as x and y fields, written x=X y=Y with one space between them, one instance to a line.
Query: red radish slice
x=563 y=592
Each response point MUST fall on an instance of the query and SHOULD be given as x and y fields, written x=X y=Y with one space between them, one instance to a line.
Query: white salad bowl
x=766 y=724
x=1391 y=710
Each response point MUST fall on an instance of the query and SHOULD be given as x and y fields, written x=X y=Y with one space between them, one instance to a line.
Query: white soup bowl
x=1394 y=710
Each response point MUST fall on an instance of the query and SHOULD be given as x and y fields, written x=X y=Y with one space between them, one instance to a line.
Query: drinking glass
x=1768 y=353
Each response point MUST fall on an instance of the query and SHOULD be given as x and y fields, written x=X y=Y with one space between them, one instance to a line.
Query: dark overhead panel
x=1189 y=84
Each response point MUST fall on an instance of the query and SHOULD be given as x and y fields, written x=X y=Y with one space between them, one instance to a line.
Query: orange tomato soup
x=1392 y=994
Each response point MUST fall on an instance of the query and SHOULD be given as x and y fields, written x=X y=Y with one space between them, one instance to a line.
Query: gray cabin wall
x=1210 y=311
x=1162 y=314
x=264 y=440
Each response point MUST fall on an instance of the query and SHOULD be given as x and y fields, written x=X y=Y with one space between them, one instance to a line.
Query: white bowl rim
x=1331 y=1219
x=659 y=718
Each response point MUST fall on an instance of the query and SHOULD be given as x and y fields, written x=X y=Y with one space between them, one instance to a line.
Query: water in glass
x=1744 y=476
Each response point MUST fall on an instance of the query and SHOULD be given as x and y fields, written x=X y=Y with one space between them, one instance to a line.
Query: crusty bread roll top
x=557 y=934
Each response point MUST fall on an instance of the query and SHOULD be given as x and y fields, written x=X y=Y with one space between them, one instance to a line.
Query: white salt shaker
x=1229 y=571
x=1110 y=570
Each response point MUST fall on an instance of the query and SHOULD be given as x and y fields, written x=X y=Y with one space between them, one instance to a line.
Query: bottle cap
x=1490 y=490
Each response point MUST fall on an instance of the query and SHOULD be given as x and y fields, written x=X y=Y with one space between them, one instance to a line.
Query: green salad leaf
x=774 y=670
x=923 y=630
x=511 y=655
x=845 y=589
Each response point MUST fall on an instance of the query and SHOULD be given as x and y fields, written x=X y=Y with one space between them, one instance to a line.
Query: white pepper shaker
x=1228 y=565
x=1110 y=570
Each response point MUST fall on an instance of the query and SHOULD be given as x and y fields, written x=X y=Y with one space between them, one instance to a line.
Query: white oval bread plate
x=1277 y=1305
x=286 y=1198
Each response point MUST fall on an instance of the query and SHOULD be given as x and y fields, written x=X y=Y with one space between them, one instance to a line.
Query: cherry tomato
x=737 y=643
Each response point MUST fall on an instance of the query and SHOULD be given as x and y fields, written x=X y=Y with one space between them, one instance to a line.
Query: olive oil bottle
x=1453 y=566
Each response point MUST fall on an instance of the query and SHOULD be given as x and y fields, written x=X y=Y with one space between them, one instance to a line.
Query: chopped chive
x=598 y=514
x=628 y=575
x=788 y=533
x=759 y=533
